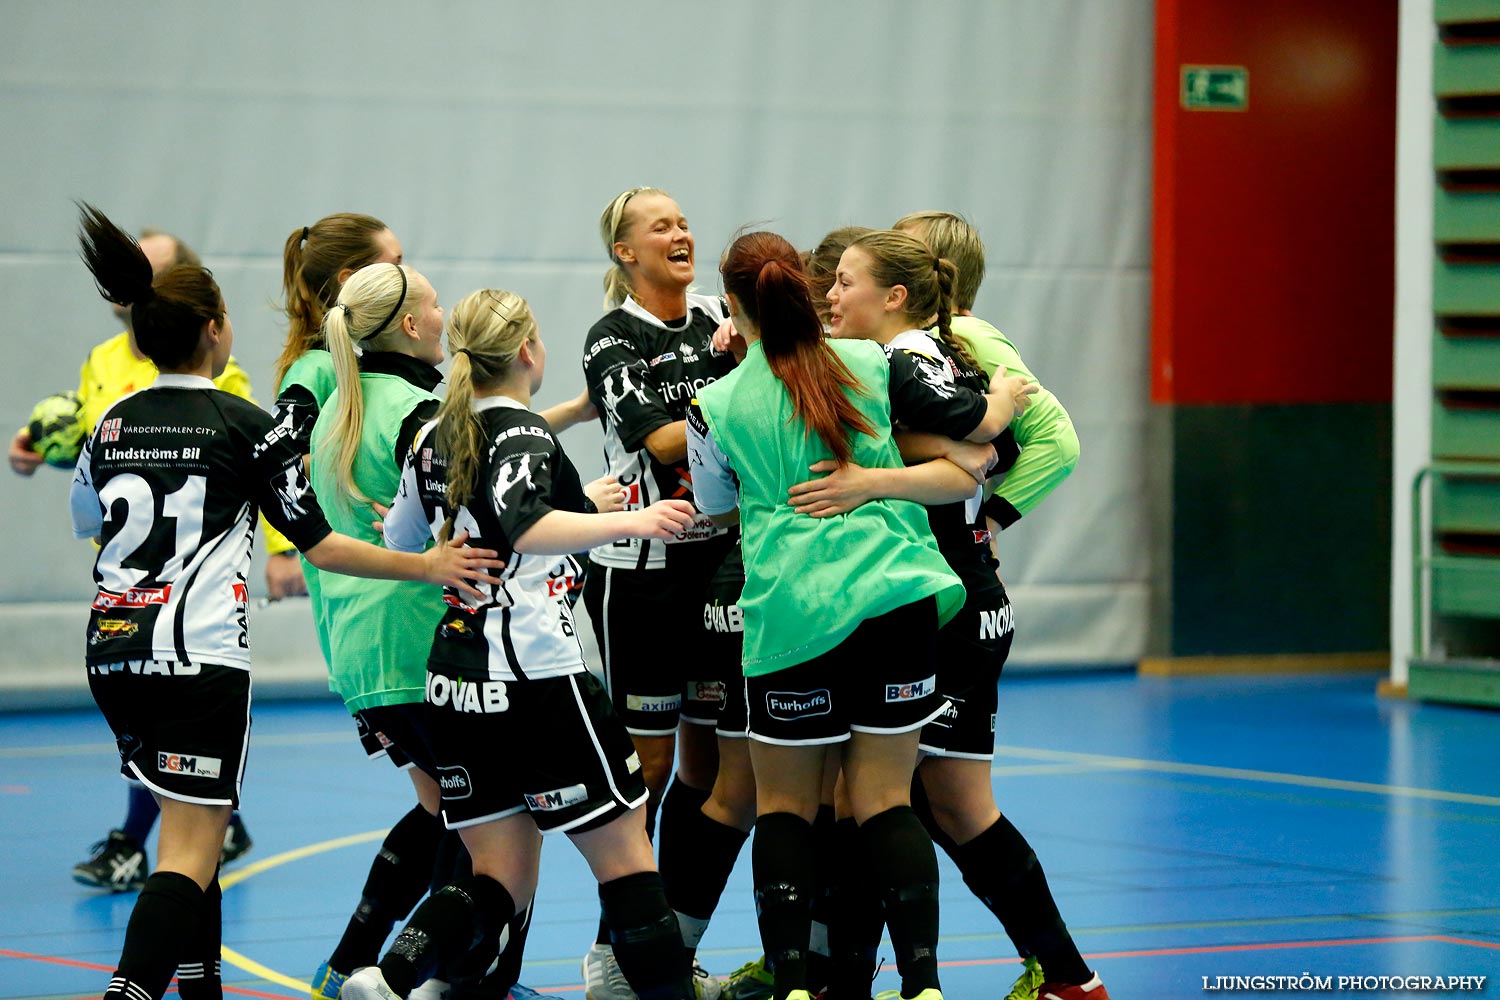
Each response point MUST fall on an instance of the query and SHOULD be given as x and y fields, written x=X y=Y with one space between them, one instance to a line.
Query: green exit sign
x=1215 y=88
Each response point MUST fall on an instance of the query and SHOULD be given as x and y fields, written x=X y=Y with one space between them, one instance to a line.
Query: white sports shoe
x=367 y=984
x=432 y=989
x=602 y=978
x=705 y=985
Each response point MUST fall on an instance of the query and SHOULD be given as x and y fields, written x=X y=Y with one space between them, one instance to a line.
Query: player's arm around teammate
x=168 y=642
x=523 y=736
x=870 y=591
x=997 y=861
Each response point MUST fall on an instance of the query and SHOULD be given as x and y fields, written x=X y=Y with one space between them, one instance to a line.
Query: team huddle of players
x=804 y=480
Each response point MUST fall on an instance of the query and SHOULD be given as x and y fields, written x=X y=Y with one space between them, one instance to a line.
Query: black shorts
x=724 y=644
x=650 y=634
x=972 y=649
x=395 y=732
x=552 y=746
x=881 y=679
x=182 y=731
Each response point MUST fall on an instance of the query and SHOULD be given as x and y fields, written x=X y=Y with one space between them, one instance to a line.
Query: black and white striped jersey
x=918 y=392
x=524 y=628
x=170 y=483
x=641 y=374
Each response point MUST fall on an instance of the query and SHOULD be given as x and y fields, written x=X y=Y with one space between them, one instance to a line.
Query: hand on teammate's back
x=1017 y=387
x=455 y=564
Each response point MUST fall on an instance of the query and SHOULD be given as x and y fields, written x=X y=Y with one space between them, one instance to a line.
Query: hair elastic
x=304 y=234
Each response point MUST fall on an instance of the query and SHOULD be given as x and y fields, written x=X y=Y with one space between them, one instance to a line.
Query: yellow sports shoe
x=1029 y=983
x=327 y=983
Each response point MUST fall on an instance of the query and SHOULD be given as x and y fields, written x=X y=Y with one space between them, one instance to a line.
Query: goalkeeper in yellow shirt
x=116 y=367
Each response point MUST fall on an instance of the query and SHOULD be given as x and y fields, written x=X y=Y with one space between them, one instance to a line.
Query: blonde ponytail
x=372 y=302
x=485 y=332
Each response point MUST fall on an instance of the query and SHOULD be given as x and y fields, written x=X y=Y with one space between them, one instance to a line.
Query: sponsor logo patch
x=189 y=764
x=789 y=705
x=723 y=618
x=910 y=692
x=709 y=691
x=456 y=629
x=454 y=781
x=633 y=763
x=558 y=798
x=653 y=702
x=982 y=537
x=110 y=430
x=135 y=597
x=662 y=358
x=474 y=697
x=112 y=628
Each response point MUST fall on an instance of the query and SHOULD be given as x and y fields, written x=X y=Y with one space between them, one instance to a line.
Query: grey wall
x=491 y=135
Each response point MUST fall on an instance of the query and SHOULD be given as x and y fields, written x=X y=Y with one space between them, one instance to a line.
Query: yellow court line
x=1242 y=774
x=239 y=875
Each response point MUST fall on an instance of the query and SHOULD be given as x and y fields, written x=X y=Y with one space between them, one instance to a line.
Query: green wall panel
x=1281 y=521
x=1466 y=289
x=1459 y=11
x=1466 y=217
x=1464 y=70
x=1465 y=143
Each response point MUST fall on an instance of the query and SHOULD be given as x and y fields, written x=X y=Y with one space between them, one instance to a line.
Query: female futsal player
x=170 y=484
x=524 y=738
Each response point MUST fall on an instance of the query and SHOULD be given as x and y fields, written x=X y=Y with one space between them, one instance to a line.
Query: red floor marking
x=1467 y=941
x=74 y=963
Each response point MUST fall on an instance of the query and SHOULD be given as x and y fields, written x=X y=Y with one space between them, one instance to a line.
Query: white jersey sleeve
x=88 y=512
x=406 y=528
x=715 y=489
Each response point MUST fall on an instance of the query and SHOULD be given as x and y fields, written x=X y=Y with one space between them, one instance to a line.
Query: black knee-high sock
x=825 y=851
x=1000 y=868
x=855 y=916
x=697 y=856
x=903 y=863
x=602 y=937
x=785 y=875
x=198 y=969
x=470 y=978
x=449 y=923
x=399 y=878
x=643 y=932
x=165 y=913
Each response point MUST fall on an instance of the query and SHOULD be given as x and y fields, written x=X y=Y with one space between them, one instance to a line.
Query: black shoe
x=236 y=840
x=116 y=863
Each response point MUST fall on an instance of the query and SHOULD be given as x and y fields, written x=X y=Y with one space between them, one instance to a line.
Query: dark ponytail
x=947 y=279
x=898 y=258
x=167 y=312
x=119 y=265
x=764 y=273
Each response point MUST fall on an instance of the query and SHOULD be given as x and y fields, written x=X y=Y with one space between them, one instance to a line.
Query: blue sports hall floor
x=1191 y=828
